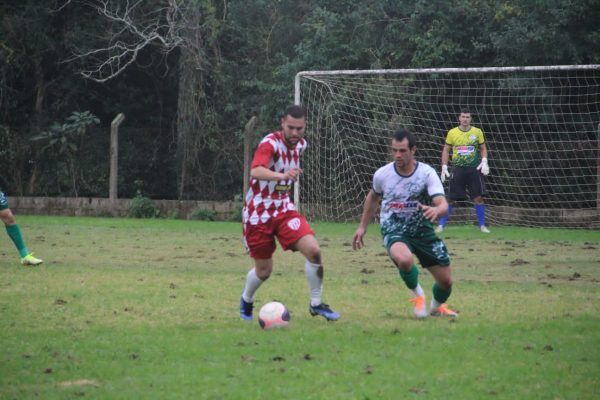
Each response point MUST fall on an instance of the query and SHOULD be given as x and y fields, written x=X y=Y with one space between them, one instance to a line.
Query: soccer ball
x=273 y=315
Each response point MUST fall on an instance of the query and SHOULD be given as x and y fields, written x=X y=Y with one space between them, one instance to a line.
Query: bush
x=142 y=207
x=204 y=214
x=173 y=214
x=236 y=215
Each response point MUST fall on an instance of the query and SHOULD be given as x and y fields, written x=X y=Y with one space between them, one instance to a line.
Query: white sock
x=434 y=304
x=418 y=291
x=315 y=283
x=253 y=282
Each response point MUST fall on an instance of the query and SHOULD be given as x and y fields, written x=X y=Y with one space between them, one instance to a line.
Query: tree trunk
x=40 y=86
x=32 y=180
x=40 y=95
x=189 y=123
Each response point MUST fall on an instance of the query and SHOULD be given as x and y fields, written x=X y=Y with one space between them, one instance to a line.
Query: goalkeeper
x=14 y=233
x=469 y=165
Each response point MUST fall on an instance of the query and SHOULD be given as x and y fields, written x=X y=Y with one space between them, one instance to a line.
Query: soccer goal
x=542 y=129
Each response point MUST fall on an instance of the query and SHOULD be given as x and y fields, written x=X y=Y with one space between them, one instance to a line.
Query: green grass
x=145 y=309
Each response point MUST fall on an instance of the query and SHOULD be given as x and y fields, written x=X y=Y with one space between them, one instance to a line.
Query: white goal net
x=541 y=124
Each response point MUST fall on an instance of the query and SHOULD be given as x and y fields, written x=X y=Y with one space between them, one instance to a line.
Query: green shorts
x=429 y=249
x=3 y=201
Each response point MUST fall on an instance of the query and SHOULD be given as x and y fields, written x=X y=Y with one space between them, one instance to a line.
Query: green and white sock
x=418 y=291
x=411 y=279
x=439 y=296
x=15 y=234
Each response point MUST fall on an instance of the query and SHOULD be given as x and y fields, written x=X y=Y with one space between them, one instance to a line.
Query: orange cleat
x=420 y=309
x=444 y=311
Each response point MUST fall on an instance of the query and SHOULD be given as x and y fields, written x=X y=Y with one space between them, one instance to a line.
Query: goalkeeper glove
x=445 y=174
x=484 y=167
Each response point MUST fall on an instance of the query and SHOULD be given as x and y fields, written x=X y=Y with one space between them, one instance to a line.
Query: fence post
x=114 y=156
x=248 y=131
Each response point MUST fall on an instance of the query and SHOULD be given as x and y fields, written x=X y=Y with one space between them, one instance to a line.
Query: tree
x=169 y=25
x=32 y=84
x=63 y=143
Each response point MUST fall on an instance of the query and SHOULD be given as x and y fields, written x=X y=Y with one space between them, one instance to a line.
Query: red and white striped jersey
x=266 y=199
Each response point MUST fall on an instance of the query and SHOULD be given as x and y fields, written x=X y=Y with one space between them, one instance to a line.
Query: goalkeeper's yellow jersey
x=465 y=146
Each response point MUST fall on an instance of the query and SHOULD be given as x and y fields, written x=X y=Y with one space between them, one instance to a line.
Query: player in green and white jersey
x=412 y=197
x=14 y=232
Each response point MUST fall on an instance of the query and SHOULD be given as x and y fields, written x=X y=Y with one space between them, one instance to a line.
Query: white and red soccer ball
x=273 y=315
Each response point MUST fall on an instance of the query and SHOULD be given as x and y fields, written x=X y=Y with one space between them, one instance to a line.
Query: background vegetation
x=186 y=98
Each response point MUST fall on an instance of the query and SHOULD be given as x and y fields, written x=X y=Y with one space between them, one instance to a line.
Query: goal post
x=540 y=125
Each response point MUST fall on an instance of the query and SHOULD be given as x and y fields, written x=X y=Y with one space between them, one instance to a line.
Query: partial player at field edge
x=14 y=232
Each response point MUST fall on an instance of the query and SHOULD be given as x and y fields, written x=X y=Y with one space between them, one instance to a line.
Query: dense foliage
x=186 y=108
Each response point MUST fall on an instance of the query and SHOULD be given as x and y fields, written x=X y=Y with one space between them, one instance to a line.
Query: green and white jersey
x=401 y=195
x=3 y=201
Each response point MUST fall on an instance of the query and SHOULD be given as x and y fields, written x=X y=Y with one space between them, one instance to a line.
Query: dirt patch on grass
x=79 y=382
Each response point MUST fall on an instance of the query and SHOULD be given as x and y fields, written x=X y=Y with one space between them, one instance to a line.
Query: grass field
x=148 y=309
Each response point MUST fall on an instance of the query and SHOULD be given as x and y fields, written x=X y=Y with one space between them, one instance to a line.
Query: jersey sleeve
x=377 y=183
x=263 y=155
x=434 y=184
x=303 y=147
x=480 y=138
x=449 y=138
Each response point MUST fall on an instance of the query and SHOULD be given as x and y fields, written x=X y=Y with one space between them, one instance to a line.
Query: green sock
x=410 y=278
x=15 y=234
x=441 y=295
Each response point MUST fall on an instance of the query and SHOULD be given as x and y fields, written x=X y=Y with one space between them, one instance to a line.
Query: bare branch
x=64 y=4
x=132 y=26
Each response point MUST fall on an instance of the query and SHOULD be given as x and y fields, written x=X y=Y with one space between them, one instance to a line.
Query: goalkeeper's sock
x=439 y=296
x=480 y=211
x=314 y=276
x=253 y=282
x=411 y=278
x=15 y=234
x=444 y=219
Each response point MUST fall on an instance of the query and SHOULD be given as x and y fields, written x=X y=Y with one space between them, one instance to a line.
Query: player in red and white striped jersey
x=269 y=213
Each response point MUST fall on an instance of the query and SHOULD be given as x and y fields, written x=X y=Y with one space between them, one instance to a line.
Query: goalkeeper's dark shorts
x=3 y=201
x=463 y=181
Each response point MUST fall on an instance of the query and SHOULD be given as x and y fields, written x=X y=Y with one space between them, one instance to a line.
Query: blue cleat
x=324 y=311
x=246 y=309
